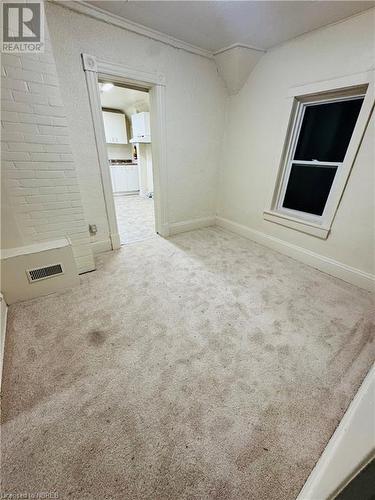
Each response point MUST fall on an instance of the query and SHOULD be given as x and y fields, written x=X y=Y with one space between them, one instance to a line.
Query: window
x=324 y=134
x=308 y=187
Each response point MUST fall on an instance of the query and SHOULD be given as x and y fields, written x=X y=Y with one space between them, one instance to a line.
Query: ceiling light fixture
x=105 y=87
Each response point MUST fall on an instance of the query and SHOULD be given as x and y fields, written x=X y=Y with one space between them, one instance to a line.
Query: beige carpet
x=203 y=367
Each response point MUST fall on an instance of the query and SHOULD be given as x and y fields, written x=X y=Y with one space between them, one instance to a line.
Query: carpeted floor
x=200 y=367
x=135 y=218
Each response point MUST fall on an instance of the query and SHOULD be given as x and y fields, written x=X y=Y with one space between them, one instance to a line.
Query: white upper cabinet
x=141 y=127
x=115 y=128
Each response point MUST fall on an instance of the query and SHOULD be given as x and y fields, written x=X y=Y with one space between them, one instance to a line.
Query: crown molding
x=235 y=45
x=90 y=10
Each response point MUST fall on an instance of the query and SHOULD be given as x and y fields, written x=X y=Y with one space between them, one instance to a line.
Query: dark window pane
x=308 y=188
x=326 y=131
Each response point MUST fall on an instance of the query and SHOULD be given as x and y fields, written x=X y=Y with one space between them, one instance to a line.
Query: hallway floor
x=135 y=218
x=203 y=366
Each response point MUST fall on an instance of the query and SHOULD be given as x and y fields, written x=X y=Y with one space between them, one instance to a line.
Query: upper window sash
x=300 y=120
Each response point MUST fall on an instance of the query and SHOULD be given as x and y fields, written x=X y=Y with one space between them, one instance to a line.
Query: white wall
x=41 y=199
x=256 y=128
x=194 y=111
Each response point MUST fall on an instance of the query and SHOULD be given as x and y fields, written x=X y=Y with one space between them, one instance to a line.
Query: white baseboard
x=86 y=269
x=349 y=449
x=164 y=230
x=325 y=264
x=190 y=225
x=3 y=318
x=115 y=241
x=101 y=246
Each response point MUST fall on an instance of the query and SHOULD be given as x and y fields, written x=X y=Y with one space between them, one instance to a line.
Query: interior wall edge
x=327 y=265
x=219 y=187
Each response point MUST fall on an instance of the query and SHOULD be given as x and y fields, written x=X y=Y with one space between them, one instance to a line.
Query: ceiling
x=127 y=100
x=215 y=25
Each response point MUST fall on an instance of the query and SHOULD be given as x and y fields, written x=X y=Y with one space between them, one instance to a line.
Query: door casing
x=155 y=83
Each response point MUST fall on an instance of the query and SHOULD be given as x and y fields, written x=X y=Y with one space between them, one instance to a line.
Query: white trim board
x=345 y=81
x=240 y=45
x=101 y=246
x=190 y=225
x=298 y=224
x=43 y=246
x=324 y=264
x=170 y=229
x=349 y=449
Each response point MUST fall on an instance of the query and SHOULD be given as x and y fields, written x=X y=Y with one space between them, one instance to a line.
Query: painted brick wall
x=42 y=195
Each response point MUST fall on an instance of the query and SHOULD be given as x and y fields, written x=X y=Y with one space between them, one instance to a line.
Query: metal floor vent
x=41 y=273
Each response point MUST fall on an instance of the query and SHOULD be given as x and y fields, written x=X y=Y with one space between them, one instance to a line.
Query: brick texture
x=38 y=168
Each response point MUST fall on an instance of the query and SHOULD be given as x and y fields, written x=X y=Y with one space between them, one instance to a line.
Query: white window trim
x=319 y=226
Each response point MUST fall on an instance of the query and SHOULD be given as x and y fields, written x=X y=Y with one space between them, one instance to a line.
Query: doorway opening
x=103 y=71
x=126 y=119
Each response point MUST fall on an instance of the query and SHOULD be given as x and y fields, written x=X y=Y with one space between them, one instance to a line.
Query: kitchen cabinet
x=125 y=178
x=141 y=127
x=115 y=128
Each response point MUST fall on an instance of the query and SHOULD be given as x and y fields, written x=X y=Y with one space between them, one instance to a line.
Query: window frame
x=347 y=88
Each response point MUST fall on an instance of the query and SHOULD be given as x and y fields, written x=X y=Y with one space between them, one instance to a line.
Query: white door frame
x=156 y=84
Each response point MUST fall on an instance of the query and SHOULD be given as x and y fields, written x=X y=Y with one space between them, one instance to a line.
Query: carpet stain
x=31 y=354
x=96 y=338
x=221 y=490
x=269 y=347
x=283 y=350
x=277 y=327
x=258 y=337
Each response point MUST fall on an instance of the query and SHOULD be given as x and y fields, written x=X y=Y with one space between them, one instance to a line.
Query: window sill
x=303 y=226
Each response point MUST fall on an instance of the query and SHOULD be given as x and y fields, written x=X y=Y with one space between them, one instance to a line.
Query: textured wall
x=41 y=197
x=195 y=102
